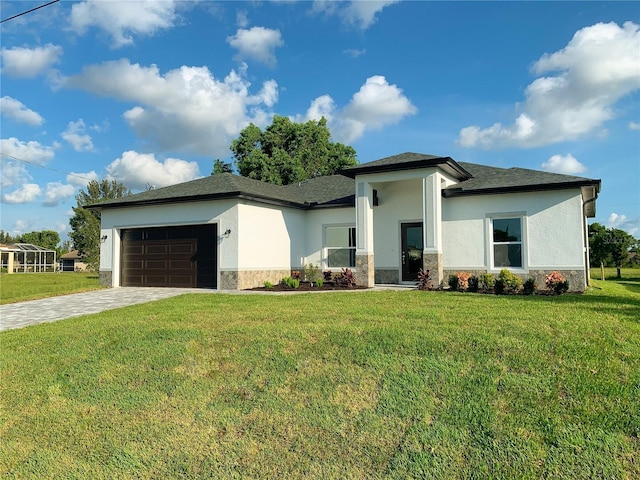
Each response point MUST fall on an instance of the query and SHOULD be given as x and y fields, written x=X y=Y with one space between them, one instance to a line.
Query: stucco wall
x=316 y=221
x=222 y=212
x=552 y=229
x=399 y=202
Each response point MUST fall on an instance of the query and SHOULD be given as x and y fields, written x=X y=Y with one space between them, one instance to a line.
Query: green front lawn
x=343 y=385
x=19 y=287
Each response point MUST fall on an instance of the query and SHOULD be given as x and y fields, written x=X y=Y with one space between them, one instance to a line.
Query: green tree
x=46 y=238
x=85 y=224
x=287 y=152
x=610 y=246
x=221 y=167
x=5 y=237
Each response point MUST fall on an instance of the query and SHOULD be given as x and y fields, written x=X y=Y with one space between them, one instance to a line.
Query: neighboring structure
x=72 y=262
x=26 y=258
x=385 y=219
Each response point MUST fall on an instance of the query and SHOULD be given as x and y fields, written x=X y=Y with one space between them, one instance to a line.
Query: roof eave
x=451 y=166
x=459 y=192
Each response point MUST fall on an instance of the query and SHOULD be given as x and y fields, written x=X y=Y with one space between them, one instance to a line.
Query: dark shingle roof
x=335 y=189
x=338 y=190
x=502 y=180
x=408 y=161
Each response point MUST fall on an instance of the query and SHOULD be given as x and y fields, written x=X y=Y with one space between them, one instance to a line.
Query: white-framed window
x=507 y=242
x=340 y=246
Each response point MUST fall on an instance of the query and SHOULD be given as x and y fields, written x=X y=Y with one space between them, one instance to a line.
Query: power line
x=29 y=11
x=45 y=167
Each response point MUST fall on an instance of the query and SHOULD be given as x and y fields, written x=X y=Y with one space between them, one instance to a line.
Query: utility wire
x=45 y=167
x=29 y=11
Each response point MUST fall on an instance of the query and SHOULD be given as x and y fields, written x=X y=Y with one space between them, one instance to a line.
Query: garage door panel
x=170 y=256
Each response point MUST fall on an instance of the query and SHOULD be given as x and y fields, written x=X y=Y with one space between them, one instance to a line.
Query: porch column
x=10 y=259
x=364 y=234
x=432 y=218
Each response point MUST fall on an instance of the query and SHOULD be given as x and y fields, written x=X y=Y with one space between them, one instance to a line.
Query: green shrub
x=511 y=283
x=291 y=282
x=311 y=273
x=453 y=282
x=487 y=281
x=529 y=287
x=268 y=284
x=474 y=283
x=319 y=282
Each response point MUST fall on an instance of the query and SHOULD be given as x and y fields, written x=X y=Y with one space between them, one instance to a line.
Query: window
x=340 y=246
x=507 y=242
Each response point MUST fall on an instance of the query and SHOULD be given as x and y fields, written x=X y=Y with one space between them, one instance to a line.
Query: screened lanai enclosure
x=27 y=258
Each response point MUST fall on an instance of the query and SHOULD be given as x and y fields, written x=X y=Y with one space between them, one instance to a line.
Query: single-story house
x=384 y=219
x=72 y=262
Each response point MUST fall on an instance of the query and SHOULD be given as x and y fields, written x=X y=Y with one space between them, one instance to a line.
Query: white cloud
x=257 y=43
x=354 y=52
x=26 y=62
x=137 y=170
x=25 y=194
x=81 y=179
x=630 y=225
x=21 y=226
x=566 y=164
x=241 y=18
x=57 y=192
x=184 y=109
x=76 y=137
x=360 y=13
x=376 y=105
x=598 y=67
x=29 y=151
x=12 y=173
x=19 y=112
x=634 y=126
x=123 y=20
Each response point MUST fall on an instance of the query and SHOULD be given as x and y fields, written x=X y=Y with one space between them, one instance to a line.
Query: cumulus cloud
x=598 y=67
x=76 y=137
x=24 y=62
x=12 y=173
x=81 y=179
x=137 y=170
x=362 y=14
x=566 y=164
x=630 y=225
x=31 y=151
x=57 y=192
x=257 y=43
x=18 y=111
x=376 y=105
x=25 y=194
x=123 y=20
x=184 y=109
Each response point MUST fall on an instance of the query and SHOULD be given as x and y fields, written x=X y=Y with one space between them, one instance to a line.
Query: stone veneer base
x=106 y=278
x=234 y=280
x=387 y=276
x=433 y=263
x=577 y=278
x=364 y=273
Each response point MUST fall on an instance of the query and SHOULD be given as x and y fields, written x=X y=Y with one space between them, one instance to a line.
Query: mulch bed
x=305 y=287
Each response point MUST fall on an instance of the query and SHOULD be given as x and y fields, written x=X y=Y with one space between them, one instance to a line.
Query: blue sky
x=150 y=92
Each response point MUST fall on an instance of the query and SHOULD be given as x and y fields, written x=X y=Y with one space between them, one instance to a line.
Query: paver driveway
x=16 y=315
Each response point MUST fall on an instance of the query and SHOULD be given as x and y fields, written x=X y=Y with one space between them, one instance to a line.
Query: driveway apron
x=17 y=315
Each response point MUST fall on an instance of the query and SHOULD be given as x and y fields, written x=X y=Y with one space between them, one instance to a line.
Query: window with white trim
x=340 y=246
x=506 y=242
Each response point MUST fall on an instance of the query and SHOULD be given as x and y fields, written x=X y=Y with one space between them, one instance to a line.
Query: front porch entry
x=412 y=245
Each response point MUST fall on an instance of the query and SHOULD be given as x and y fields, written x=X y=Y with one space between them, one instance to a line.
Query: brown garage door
x=169 y=257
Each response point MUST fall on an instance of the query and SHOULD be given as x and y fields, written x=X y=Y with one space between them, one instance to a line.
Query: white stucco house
x=384 y=219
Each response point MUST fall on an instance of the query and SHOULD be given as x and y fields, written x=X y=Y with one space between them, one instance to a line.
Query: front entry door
x=411 y=254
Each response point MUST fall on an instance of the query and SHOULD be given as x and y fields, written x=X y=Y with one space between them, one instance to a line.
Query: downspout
x=586 y=238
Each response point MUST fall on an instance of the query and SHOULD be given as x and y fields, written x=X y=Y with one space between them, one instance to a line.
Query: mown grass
x=19 y=287
x=343 y=385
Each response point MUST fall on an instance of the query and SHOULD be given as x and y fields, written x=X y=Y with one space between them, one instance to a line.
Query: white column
x=364 y=218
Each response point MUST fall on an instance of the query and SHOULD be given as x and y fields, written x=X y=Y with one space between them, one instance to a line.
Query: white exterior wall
x=270 y=238
x=553 y=230
x=316 y=221
x=400 y=202
x=222 y=212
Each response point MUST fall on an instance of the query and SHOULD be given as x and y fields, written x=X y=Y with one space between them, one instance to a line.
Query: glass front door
x=411 y=253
